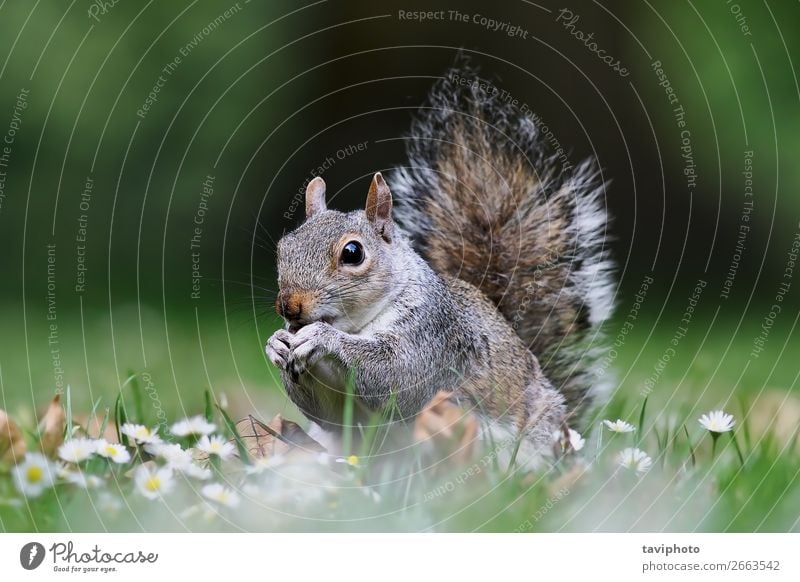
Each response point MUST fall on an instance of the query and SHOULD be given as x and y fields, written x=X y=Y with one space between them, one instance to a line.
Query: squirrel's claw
x=304 y=356
x=278 y=350
x=307 y=346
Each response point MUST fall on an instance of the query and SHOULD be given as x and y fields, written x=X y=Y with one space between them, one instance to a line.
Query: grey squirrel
x=482 y=272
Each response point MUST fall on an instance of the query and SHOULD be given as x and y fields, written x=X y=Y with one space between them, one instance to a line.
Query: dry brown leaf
x=278 y=437
x=445 y=425
x=52 y=427
x=12 y=443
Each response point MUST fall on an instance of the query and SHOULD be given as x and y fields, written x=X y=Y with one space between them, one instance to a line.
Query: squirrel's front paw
x=279 y=348
x=307 y=346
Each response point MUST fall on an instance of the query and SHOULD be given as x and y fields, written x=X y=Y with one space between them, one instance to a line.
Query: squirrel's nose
x=291 y=303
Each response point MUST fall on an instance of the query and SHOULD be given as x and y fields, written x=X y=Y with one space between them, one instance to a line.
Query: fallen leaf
x=12 y=443
x=446 y=428
x=278 y=437
x=52 y=427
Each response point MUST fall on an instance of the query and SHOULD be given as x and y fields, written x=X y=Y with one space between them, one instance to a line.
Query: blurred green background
x=179 y=112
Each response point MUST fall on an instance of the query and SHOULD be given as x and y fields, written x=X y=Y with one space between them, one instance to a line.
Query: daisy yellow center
x=143 y=433
x=216 y=446
x=153 y=484
x=111 y=451
x=352 y=460
x=34 y=474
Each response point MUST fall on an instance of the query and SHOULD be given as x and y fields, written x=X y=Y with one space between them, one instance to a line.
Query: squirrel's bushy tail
x=484 y=200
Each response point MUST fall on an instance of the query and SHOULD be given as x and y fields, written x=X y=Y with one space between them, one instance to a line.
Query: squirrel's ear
x=379 y=206
x=315 y=197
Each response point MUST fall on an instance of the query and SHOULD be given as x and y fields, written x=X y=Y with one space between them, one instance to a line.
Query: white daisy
x=152 y=482
x=619 y=425
x=114 y=451
x=173 y=454
x=717 y=421
x=216 y=445
x=221 y=494
x=33 y=475
x=635 y=460
x=140 y=433
x=76 y=450
x=196 y=425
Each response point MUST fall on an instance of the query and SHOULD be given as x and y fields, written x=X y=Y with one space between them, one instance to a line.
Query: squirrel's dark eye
x=352 y=253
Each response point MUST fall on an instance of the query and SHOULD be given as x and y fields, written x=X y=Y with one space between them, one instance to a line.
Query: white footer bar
x=419 y=557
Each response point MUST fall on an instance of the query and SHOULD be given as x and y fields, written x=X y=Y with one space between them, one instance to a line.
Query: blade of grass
x=136 y=391
x=640 y=432
x=664 y=448
x=736 y=446
x=92 y=415
x=517 y=444
x=387 y=418
x=120 y=417
x=95 y=406
x=691 y=448
x=600 y=440
x=68 y=412
x=521 y=435
x=744 y=414
x=104 y=424
x=31 y=434
x=244 y=456
x=347 y=414
x=369 y=435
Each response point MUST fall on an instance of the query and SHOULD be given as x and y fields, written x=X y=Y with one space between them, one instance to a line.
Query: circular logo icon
x=31 y=555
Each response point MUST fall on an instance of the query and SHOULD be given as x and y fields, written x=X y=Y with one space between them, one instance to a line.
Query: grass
x=750 y=483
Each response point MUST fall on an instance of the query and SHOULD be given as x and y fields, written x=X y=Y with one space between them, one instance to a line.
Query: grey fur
x=484 y=200
x=417 y=316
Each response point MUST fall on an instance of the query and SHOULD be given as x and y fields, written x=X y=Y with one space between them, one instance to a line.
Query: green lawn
x=685 y=489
